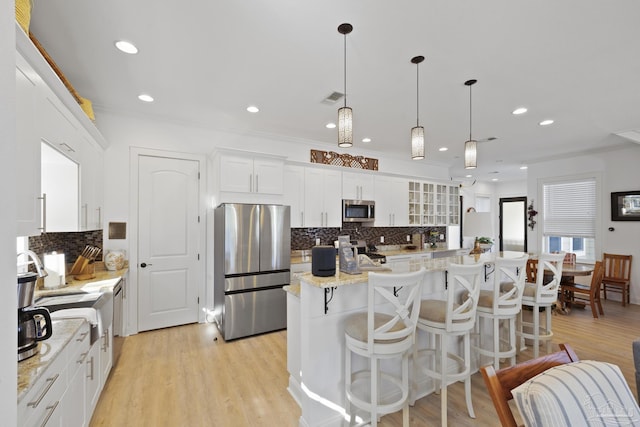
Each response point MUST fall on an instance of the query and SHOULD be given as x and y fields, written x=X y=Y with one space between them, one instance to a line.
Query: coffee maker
x=34 y=323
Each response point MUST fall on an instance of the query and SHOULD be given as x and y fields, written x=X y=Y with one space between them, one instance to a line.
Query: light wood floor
x=183 y=377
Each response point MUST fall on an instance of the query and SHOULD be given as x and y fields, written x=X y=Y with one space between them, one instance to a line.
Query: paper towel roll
x=55 y=266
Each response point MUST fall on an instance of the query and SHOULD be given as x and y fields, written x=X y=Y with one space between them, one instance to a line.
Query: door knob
x=144 y=264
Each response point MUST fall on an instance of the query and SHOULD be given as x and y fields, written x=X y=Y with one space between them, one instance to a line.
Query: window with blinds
x=570 y=208
x=569 y=217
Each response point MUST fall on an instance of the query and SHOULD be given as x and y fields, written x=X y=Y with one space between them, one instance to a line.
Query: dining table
x=569 y=272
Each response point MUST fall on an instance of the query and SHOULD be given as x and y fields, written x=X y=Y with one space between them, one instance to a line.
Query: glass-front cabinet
x=433 y=204
x=454 y=205
x=415 y=204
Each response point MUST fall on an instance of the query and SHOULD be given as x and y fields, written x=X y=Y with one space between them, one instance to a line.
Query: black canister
x=323 y=261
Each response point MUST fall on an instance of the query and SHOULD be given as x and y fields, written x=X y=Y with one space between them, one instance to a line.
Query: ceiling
x=574 y=61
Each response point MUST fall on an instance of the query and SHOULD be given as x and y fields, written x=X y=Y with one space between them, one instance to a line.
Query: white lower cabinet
x=106 y=354
x=93 y=379
x=53 y=399
x=68 y=391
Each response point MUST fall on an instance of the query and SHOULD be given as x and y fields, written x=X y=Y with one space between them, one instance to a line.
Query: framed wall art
x=625 y=206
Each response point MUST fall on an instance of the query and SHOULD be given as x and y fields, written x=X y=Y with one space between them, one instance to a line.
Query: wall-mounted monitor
x=625 y=206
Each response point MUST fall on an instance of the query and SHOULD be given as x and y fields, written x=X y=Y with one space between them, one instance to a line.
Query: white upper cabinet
x=250 y=174
x=91 y=186
x=392 y=201
x=28 y=202
x=47 y=113
x=322 y=198
x=294 y=193
x=357 y=186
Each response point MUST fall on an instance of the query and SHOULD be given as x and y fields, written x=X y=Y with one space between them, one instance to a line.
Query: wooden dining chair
x=532 y=269
x=576 y=291
x=617 y=275
x=500 y=383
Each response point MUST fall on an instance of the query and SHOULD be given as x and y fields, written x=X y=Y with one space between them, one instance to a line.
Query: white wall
x=125 y=133
x=8 y=174
x=620 y=172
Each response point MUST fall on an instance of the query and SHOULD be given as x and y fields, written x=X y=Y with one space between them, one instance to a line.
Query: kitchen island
x=316 y=311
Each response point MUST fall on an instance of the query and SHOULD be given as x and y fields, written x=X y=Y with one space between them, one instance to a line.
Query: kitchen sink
x=68 y=300
x=96 y=308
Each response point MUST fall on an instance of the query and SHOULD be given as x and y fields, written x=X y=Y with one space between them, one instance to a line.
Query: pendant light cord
x=470 y=114
x=417 y=95
x=345 y=69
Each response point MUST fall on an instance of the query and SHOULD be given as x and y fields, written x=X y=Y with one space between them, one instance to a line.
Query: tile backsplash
x=305 y=238
x=71 y=244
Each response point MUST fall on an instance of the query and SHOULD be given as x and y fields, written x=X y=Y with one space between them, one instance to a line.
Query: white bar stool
x=443 y=320
x=502 y=303
x=541 y=295
x=386 y=330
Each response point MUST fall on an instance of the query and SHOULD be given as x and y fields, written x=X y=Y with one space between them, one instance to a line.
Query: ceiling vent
x=631 y=135
x=333 y=98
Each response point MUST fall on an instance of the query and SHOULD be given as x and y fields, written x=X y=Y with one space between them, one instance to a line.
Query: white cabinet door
x=28 y=208
x=294 y=193
x=314 y=213
x=93 y=384
x=322 y=198
x=399 y=263
x=236 y=174
x=392 y=202
x=332 y=198
x=242 y=174
x=106 y=354
x=357 y=186
x=91 y=185
x=268 y=176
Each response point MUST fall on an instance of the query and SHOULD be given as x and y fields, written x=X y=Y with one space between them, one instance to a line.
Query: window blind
x=570 y=208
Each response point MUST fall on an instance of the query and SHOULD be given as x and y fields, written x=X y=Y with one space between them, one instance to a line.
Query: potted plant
x=485 y=242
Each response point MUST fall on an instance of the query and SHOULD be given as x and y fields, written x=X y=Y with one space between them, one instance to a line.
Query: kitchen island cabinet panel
x=315 y=336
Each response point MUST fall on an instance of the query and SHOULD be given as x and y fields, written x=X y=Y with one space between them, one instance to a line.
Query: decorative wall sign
x=345 y=160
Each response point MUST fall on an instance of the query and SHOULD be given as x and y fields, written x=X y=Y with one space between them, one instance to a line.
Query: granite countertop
x=31 y=369
x=304 y=256
x=435 y=264
x=73 y=285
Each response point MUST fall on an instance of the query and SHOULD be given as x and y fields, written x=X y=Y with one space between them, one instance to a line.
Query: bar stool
x=502 y=303
x=386 y=330
x=541 y=295
x=444 y=321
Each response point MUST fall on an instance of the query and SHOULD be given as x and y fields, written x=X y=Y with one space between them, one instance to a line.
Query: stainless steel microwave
x=358 y=211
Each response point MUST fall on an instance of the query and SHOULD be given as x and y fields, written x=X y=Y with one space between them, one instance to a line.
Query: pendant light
x=470 y=147
x=345 y=115
x=417 y=132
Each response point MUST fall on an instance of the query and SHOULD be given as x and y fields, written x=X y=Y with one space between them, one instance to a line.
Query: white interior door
x=167 y=242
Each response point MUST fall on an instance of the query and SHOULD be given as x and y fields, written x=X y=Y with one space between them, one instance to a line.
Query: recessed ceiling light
x=126 y=47
x=468 y=176
x=524 y=167
x=519 y=110
x=252 y=109
x=494 y=179
x=366 y=139
x=330 y=125
x=145 y=98
x=442 y=149
x=546 y=122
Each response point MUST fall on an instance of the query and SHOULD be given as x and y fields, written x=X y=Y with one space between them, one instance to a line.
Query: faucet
x=36 y=262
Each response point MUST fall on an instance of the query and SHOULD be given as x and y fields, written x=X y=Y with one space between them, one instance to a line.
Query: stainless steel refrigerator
x=252 y=259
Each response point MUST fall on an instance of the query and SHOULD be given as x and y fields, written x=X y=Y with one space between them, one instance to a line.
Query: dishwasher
x=118 y=333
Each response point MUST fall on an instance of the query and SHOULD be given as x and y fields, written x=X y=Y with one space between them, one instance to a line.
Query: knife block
x=82 y=269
